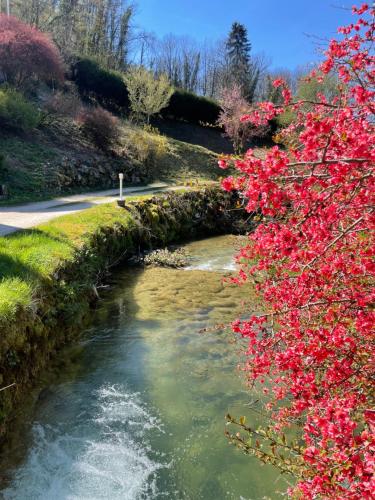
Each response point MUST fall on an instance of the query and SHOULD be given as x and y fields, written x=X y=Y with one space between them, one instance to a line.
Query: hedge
x=106 y=86
x=192 y=108
x=109 y=89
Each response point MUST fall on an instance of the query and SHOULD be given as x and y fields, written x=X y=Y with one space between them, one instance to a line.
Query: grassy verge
x=32 y=257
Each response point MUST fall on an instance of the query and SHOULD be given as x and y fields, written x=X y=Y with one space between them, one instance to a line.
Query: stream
x=135 y=410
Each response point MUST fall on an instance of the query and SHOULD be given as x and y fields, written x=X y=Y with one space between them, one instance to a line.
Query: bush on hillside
x=101 y=126
x=16 y=112
x=241 y=133
x=147 y=145
x=64 y=104
x=148 y=94
x=106 y=87
x=27 y=54
x=192 y=108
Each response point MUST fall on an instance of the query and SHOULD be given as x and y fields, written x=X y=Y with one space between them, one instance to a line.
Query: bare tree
x=94 y=28
x=213 y=67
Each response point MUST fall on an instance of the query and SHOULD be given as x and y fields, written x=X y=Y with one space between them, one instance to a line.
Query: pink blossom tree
x=234 y=106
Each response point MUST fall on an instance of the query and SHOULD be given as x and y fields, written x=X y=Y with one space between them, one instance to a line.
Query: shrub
x=147 y=147
x=234 y=106
x=192 y=108
x=148 y=93
x=107 y=87
x=312 y=346
x=101 y=126
x=16 y=112
x=26 y=53
x=64 y=104
x=308 y=90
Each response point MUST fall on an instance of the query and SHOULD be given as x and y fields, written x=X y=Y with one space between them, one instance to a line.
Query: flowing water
x=137 y=411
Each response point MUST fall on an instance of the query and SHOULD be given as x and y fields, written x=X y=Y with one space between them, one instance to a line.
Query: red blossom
x=315 y=269
x=228 y=184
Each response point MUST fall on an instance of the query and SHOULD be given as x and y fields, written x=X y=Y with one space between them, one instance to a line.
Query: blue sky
x=279 y=28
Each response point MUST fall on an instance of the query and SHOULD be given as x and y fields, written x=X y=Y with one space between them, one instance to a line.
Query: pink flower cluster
x=314 y=254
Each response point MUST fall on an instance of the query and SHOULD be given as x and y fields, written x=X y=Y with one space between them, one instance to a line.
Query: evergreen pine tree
x=240 y=67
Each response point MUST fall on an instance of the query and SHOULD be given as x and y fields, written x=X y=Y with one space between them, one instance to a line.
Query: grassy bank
x=48 y=275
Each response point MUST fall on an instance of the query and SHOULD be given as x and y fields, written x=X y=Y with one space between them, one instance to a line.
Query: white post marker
x=121 y=177
x=121 y=201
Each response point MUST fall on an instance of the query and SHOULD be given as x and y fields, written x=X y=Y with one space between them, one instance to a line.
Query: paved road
x=18 y=217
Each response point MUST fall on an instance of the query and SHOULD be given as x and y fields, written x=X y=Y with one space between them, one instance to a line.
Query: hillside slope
x=58 y=158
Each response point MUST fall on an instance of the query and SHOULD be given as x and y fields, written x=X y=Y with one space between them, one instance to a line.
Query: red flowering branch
x=314 y=267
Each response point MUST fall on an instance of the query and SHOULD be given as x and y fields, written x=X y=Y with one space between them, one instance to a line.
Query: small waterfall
x=105 y=453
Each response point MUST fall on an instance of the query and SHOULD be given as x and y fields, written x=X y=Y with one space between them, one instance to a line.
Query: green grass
x=27 y=168
x=168 y=159
x=30 y=258
x=188 y=161
x=14 y=293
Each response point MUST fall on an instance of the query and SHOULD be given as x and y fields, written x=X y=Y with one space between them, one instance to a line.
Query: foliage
x=110 y=90
x=148 y=93
x=26 y=53
x=105 y=30
x=314 y=347
x=146 y=146
x=106 y=86
x=234 y=106
x=64 y=104
x=272 y=93
x=285 y=119
x=192 y=108
x=16 y=112
x=101 y=126
x=308 y=89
